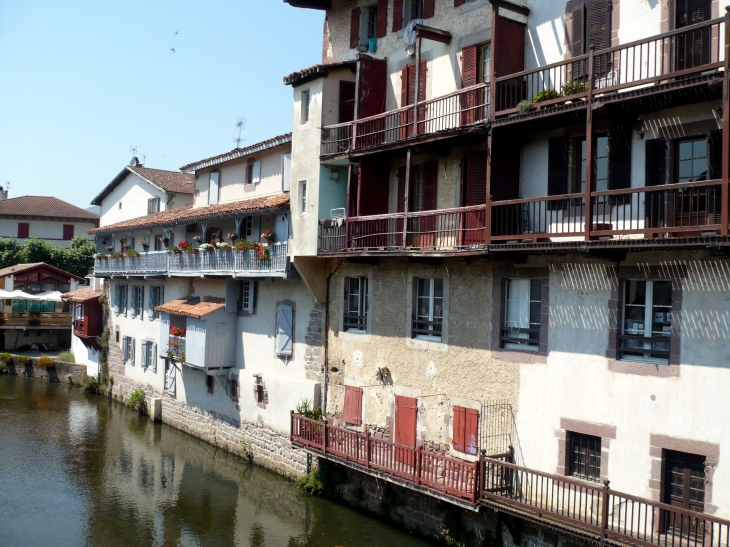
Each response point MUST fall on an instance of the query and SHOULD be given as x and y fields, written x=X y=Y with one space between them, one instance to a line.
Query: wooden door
x=406 y=416
x=684 y=487
x=475 y=193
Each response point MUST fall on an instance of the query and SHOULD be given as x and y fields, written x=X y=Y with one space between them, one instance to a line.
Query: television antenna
x=241 y=124
x=133 y=149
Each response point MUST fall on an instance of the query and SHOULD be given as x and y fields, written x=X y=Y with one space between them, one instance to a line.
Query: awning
x=48 y=296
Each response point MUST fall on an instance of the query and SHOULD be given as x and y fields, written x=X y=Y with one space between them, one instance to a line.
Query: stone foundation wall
x=60 y=372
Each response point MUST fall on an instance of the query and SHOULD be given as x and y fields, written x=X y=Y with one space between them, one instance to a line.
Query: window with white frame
x=157 y=298
x=356 y=305
x=78 y=311
x=137 y=299
x=153 y=205
x=128 y=350
x=415 y=9
x=120 y=299
x=646 y=326
x=246 y=296
x=485 y=62
x=302 y=197
x=247 y=227
x=149 y=355
x=523 y=301
x=428 y=308
x=305 y=106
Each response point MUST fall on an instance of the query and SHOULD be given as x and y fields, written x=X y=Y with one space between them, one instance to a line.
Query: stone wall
x=60 y=372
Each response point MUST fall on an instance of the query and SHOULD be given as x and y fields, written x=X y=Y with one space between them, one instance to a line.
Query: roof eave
x=236 y=154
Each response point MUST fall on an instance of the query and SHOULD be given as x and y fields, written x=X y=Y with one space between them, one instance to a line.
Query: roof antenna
x=134 y=162
x=241 y=124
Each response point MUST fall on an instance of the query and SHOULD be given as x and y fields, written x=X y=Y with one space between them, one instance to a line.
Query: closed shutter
x=471 y=431
x=619 y=161
x=382 y=28
x=352 y=413
x=355 y=27
x=557 y=166
x=428 y=8
x=714 y=150
x=430 y=176
x=213 y=188
x=598 y=18
x=401 y=189
x=655 y=175
x=422 y=87
x=476 y=178
x=134 y=301
x=458 y=438
x=406 y=413
x=405 y=86
x=468 y=66
x=578 y=46
x=286 y=171
x=397 y=15
x=116 y=299
x=23 y=229
x=284 y=330
x=68 y=232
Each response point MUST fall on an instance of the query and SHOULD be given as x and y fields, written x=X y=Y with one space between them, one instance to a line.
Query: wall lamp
x=639 y=128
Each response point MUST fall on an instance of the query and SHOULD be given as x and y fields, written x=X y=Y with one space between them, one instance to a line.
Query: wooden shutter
x=508 y=47
x=469 y=66
x=714 y=151
x=428 y=9
x=401 y=189
x=458 y=3
x=23 y=229
x=476 y=178
x=655 y=175
x=598 y=19
x=422 y=88
x=284 y=330
x=382 y=28
x=347 y=101
x=405 y=86
x=471 y=431
x=373 y=86
x=578 y=47
x=430 y=177
x=352 y=413
x=355 y=27
x=68 y=232
x=458 y=435
x=397 y=15
x=619 y=160
x=406 y=413
x=557 y=166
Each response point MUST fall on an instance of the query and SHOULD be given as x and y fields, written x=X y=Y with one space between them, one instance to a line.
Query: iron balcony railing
x=200 y=262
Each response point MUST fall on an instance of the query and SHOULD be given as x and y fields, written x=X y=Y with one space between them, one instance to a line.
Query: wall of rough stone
x=60 y=372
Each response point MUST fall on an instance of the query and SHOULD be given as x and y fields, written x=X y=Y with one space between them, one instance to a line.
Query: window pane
x=685 y=150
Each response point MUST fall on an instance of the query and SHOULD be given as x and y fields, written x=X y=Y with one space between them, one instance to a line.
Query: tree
x=78 y=259
x=10 y=252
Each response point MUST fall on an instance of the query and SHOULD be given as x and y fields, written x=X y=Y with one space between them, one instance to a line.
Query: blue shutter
x=284 y=330
x=133 y=301
x=116 y=299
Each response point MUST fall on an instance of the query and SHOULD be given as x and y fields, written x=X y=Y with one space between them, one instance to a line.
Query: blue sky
x=82 y=81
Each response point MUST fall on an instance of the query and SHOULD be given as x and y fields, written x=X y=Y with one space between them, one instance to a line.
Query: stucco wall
x=85 y=356
x=133 y=192
x=49 y=230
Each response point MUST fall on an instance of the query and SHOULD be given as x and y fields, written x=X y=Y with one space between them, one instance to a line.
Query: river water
x=78 y=470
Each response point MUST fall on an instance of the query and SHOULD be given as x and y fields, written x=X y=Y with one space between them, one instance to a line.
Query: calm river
x=78 y=470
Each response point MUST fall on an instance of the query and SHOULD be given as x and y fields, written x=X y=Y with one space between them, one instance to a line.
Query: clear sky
x=81 y=81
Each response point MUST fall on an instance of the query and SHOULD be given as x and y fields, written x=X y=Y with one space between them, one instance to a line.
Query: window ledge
x=519 y=356
x=472 y=5
x=426 y=345
x=643 y=368
x=356 y=337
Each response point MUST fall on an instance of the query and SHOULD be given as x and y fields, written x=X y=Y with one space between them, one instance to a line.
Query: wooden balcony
x=216 y=262
x=44 y=320
x=689 y=210
x=593 y=510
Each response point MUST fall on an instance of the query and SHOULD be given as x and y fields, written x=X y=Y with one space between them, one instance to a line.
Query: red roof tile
x=82 y=295
x=239 y=152
x=48 y=207
x=189 y=214
x=195 y=309
x=316 y=71
x=20 y=268
x=167 y=181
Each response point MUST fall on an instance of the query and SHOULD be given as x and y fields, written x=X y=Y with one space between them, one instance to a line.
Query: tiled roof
x=189 y=214
x=20 y=268
x=82 y=295
x=238 y=153
x=167 y=181
x=41 y=207
x=304 y=75
x=196 y=309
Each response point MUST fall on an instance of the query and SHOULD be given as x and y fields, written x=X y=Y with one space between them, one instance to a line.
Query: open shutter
x=140 y=300
x=471 y=431
x=714 y=151
x=171 y=383
x=125 y=349
x=145 y=354
x=153 y=356
x=655 y=175
x=428 y=8
x=422 y=85
x=557 y=166
x=476 y=178
x=284 y=330
x=397 y=15
x=352 y=413
x=405 y=85
x=354 y=27
x=133 y=302
x=430 y=176
x=458 y=438
x=213 y=188
x=286 y=171
x=598 y=18
x=382 y=28
x=458 y=3
x=578 y=47
x=619 y=161
x=132 y=346
x=401 y=189
x=256 y=172
x=116 y=299
x=469 y=66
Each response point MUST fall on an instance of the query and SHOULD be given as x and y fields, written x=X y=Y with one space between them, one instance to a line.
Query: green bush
x=91 y=385
x=523 y=107
x=136 y=400
x=546 y=95
x=310 y=483
x=571 y=87
x=66 y=357
x=305 y=408
x=5 y=357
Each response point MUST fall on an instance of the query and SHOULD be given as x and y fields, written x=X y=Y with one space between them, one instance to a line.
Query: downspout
x=325 y=341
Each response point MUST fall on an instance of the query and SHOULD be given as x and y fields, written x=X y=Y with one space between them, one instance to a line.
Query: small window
x=68 y=232
x=128 y=350
x=233 y=389
x=23 y=230
x=149 y=355
x=523 y=301
x=415 y=9
x=120 y=300
x=371 y=21
x=246 y=296
x=428 y=309
x=117 y=334
x=153 y=205
x=249 y=171
x=305 y=106
x=78 y=311
x=692 y=160
x=158 y=245
x=120 y=204
x=601 y=155
x=417 y=188
x=485 y=63
x=213 y=183
x=137 y=299
x=584 y=456
x=356 y=304
x=210 y=383
x=683 y=485
x=647 y=321
x=156 y=298
x=302 y=197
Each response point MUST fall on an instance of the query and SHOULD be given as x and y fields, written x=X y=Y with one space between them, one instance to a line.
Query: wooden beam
x=590 y=137
x=435 y=34
x=506 y=4
x=725 y=188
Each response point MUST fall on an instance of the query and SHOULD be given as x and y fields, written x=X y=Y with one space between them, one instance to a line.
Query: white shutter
x=133 y=302
x=151 y=302
x=132 y=346
x=116 y=299
x=256 y=171
x=284 y=330
x=140 y=300
x=256 y=229
x=282 y=228
x=143 y=362
x=286 y=171
x=213 y=188
x=125 y=348
x=153 y=355
x=250 y=286
x=171 y=380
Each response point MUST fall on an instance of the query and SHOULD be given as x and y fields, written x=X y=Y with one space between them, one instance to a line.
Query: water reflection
x=78 y=470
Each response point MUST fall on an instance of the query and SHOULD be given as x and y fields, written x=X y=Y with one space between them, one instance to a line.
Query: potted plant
x=264 y=252
x=109 y=248
x=268 y=236
x=132 y=253
x=24 y=360
x=145 y=246
x=100 y=256
x=206 y=247
x=232 y=237
x=165 y=241
x=44 y=361
x=186 y=247
x=177 y=331
x=198 y=239
x=6 y=358
x=223 y=246
x=115 y=254
x=175 y=250
x=244 y=245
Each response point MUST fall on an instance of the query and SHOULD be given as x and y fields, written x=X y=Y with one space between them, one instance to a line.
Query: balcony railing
x=456 y=110
x=45 y=319
x=216 y=262
x=591 y=508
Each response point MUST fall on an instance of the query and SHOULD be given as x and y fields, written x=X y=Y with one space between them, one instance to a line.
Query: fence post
x=724 y=192
x=604 y=511
x=418 y=465
x=367 y=450
x=291 y=426
x=588 y=210
x=477 y=474
x=324 y=438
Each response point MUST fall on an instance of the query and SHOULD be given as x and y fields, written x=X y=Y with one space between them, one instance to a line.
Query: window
x=523 y=302
x=78 y=311
x=233 y=389
x=692 y=160
x=286 y=171
x=120 y=299
x=371 y=21
x=415 y=9
x=117 y=333
x=153 y=205
x=647 y=321
x=683 y=484
x=120 y=204
x=584 y=455
x=68 y=232
x=465 y=434
x=602 y=158
x=284 y=330
x=485 y=62
x=210 y=383
x=305 y=106
x=352 y=409
x=158 y=245
x=428 y=309
x=137 y=300
x=157 y=297
x=213 y=183
x=356 y=304
x=246 y=296
x=247 y=227
x=23 y=229
x=128 y=350
x=149 y=355
x=417 y=189
x=302 y=197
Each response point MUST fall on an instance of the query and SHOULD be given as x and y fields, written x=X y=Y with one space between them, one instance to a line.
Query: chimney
x=3 y=194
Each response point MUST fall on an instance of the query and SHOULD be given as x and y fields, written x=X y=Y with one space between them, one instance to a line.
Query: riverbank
x=58 y=371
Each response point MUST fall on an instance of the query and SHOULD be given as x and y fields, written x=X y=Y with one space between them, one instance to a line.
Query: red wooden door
x=406 y=416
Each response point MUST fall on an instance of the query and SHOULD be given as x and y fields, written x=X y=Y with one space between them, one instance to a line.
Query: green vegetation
x=5 y=357
x=571 y=87
x=136 y=400
x=78 y=259
x=310 y=483
x=44 y=361
x=546 y=95
x=246 y=449
x=523 y=107
x=305 y=408
x=90 y=385
x=66 y=357
x=453 y=530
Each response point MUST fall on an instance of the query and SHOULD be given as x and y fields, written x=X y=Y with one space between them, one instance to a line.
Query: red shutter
x=355 y=28
x=430 y=175
x=352 y=413
x=471 y=431
x=68 y=232
x=23 y=229
x=422 y=89
x=406 y=412
x=458 y=428
x=468 y=66
x=476 y=178
x=397 y=15
x=428 y=8
x=458 y=3
x=401 y=189
x=405 y=81
x=382 y=28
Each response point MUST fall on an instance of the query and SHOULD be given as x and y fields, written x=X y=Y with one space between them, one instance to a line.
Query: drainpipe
x=325 y=341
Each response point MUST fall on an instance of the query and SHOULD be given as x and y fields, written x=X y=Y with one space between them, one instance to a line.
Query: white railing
x=216 y=262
